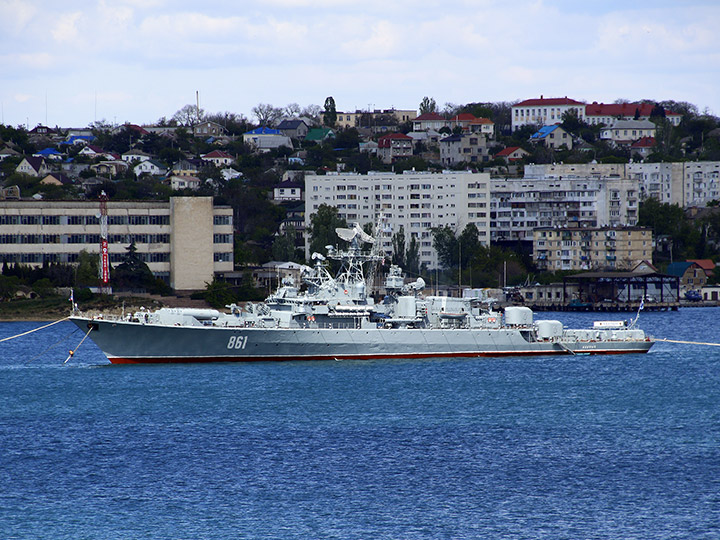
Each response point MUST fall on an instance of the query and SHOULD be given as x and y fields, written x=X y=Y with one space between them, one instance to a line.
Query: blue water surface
x=543 y=447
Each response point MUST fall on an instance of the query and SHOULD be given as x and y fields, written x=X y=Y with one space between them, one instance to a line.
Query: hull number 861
x=237 y=342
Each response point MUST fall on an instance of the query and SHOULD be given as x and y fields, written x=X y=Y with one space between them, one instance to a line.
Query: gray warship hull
x=130 y=342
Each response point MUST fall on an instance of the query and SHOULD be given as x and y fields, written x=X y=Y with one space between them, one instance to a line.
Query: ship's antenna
x=376 y=251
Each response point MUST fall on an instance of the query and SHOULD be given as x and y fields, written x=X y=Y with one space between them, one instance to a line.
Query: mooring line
x=72 y=353
x=689 y=342
x=35 y=330
x=52 y=346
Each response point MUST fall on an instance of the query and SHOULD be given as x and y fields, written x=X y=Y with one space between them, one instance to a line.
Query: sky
x=70 y=64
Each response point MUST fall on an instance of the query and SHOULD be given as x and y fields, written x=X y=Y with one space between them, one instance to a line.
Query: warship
x=336 y=317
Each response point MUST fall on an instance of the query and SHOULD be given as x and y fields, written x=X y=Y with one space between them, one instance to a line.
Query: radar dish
x=345 y=234
x=365 y=237
x=355 y=233
x=318 y=256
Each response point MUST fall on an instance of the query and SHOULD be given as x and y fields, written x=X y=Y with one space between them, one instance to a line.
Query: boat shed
x=625 y=288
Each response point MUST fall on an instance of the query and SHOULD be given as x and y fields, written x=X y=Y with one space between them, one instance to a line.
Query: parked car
x=693 y=296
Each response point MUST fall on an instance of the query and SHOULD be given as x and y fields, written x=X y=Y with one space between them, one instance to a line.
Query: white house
x=625 y=132
x=135 y=155
x=34 y=166
x=288 y=191
x=178 y=181
x=429 y=121
x=151 y=167
x=218 y=158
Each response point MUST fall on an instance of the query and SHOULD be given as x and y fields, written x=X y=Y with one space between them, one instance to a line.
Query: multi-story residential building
x=186 y=241
x=394 y=146
x=583 y=248
x=544 y=111
x=700 y=182
x=689 y=183
x=518 y=206
x=417 y=201
x=604 y=113
x=463 y=148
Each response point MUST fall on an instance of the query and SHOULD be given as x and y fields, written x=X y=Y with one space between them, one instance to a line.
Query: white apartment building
x=185 y=241
x=691 y=183
x=544 y=111
x=417 y=201
x=520 y=205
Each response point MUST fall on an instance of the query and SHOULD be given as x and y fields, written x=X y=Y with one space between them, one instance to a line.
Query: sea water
x=541 y=447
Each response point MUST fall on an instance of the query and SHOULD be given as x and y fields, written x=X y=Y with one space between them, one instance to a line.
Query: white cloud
x=15 y=15
x=382 y=41
x=377 y=52
x=65 y=29
x=22 y=98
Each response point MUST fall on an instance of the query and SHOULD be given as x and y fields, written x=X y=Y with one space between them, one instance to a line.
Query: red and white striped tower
x=104 y=254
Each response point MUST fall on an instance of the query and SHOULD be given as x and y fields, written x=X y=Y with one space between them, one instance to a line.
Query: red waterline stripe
x=208 y=359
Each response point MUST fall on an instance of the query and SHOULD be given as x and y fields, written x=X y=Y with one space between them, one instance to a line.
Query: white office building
x=185 y=241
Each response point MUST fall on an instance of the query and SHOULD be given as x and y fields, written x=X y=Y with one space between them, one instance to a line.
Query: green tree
x=219 y=294
x=283 y=248
x=398 y=244
x=446 y=246
x=322 y=228
x=8 y=286
x=571 y=121
x=428 y=105
x=330 y=114
x=469 y=243
x=412 y=259
x=87 y=273
x=133 y=273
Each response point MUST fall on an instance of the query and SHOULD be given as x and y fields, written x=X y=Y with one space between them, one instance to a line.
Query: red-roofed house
x=544 y=111
x=463 y=120
x=706 y=264
x=218 y=158
x=512 y=153
x=429 y=121
x=394 y=146
x=609 y=113
x=643 y=147
x=484 y=126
